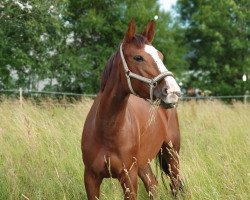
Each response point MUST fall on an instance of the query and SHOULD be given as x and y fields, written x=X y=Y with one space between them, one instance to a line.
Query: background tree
x=64 y=45
x=217 y=34
x=98 y=27
x=29 y=36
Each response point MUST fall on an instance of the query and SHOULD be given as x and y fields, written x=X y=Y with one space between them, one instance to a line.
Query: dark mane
x=106 y=72
x=138 y=40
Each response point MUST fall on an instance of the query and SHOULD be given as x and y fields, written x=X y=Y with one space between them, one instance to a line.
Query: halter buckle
x=154 y=84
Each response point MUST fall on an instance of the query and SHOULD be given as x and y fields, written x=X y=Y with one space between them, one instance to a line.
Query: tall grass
x=40 y=156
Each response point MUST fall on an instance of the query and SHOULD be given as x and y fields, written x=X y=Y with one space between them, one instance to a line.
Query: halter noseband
x=151 y=82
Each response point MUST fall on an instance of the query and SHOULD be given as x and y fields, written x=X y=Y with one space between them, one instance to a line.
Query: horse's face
x=146 y=61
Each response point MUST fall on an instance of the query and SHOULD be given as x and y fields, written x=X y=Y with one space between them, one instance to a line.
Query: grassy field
x=40 y=156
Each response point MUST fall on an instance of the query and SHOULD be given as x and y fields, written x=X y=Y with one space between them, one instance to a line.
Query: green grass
x=40 y=156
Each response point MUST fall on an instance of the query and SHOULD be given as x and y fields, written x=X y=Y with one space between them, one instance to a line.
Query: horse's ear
x=149 y=31
x=131 y=31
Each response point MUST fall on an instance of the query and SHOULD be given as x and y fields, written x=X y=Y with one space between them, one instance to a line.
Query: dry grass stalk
x=152 y=112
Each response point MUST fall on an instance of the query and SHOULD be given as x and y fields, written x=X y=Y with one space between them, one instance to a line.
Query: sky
x=167 y=4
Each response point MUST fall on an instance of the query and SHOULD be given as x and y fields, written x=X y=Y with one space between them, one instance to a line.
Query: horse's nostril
x=165 y=91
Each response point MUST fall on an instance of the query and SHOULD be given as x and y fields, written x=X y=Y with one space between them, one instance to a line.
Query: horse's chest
x=111 y=127
x=115 y=128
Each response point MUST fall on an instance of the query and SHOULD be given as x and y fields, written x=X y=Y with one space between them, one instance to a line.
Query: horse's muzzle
x=169 y=100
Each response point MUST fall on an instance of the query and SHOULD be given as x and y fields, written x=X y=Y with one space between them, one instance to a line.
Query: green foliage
x=67 y=43
x=40 y=155
x=98 y=28
x=64 y=45
x=31 y=32
x=217 y=33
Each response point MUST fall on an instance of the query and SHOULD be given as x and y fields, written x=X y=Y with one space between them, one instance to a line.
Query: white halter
x=151 y=82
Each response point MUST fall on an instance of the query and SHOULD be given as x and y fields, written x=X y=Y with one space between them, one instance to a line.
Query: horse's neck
x=114 y=98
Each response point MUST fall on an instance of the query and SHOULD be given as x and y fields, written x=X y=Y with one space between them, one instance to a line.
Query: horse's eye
x=138 y=58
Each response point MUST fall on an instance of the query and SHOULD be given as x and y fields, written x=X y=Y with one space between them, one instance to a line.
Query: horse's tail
x=163 y=166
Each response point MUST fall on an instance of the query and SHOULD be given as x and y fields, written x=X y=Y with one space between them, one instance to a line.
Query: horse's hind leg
x=149 y=180
x=92 y=184
x=169 y=161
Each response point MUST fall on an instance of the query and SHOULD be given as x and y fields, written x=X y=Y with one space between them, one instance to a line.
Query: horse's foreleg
x=170 y=163
x=128 y=180
x=92 y=184
x=149 y=180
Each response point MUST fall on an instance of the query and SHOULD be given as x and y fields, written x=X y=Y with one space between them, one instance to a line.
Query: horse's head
x=143 y=66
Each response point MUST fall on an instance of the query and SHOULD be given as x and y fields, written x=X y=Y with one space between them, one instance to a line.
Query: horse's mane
x=106 y=72
x=138 y=40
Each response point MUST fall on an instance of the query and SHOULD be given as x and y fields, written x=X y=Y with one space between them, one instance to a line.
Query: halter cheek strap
x=127 y=71
x=151 y=82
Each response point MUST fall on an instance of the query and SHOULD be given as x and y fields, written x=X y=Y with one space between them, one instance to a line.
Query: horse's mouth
x=169 y=100
x=168 y=105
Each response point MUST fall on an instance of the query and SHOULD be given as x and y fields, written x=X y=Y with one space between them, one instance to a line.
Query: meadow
x=40 y=156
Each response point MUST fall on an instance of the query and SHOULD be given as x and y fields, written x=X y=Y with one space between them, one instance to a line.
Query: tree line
x=63 y=45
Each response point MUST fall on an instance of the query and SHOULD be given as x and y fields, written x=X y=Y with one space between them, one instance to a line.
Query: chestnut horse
x=117 y=139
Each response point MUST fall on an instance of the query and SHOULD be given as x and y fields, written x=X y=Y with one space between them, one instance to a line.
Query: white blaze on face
x=170 y=81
